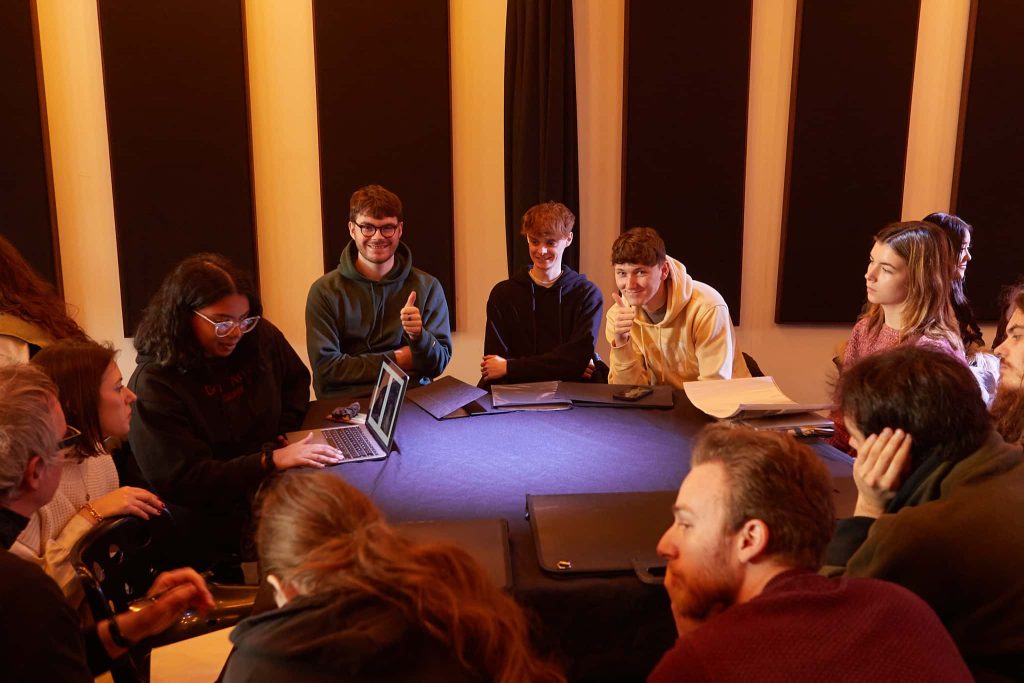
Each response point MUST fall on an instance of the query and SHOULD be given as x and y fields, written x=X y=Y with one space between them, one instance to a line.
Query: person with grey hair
x=40 y=636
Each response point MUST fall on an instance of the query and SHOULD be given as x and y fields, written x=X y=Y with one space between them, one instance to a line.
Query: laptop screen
x=382 y=417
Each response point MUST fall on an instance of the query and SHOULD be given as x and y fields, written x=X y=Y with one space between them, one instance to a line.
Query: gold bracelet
x=97 y=517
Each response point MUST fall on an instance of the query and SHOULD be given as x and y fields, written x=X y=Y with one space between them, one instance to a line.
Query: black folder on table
x=598 y=532
x=486 y=540
x=512 y=396
x=600 y=395
x=448 y=398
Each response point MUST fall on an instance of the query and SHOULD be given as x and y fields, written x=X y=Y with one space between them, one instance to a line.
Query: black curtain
x=541 y=161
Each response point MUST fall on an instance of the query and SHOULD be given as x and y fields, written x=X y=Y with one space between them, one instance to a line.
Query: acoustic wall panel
x=178 y=123
x=989 y=185
x=853 y=72
x=685 y=128
x=26 y=206
x=384 y=109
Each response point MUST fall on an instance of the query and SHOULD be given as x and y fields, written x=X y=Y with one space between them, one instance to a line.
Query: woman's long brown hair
x=318 y=534
x=927 y=311
x=26 y=295
x=77 y=368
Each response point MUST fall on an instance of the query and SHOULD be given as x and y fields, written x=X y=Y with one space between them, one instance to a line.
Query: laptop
x=373 y=440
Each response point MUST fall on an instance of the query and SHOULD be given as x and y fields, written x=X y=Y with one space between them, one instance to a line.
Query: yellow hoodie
x=695 y=340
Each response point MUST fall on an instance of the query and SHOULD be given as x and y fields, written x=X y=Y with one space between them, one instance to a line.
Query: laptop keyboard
x=350 y=441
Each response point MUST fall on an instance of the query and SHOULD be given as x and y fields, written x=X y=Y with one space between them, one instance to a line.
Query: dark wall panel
x=853 y=77
x=384 y=107
x=178 y=122
x=26 y=211
x=989 y=189
x=685 y=129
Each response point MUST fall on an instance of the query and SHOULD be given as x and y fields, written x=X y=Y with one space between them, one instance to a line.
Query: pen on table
x=811 y=431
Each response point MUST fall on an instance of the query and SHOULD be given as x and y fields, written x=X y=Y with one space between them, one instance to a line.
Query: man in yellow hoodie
x=665 y=327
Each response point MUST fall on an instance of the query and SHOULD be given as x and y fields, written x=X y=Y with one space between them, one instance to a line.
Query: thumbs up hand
x=412 y=323
x=620 y=321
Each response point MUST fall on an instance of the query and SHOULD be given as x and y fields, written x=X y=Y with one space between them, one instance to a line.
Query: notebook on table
x=598 y=532
x=374 y=439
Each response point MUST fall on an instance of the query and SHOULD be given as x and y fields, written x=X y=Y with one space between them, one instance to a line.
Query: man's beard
x=1008 y=413
x=705 y=591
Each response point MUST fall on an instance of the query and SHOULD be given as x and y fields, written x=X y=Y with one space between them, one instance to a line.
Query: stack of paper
x=747 y=398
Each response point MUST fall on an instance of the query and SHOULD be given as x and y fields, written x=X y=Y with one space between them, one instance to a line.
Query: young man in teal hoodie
x=375 y=305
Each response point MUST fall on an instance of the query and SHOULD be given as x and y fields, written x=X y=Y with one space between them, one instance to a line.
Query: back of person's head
x=928 y=394
x=551 y=220
x=77 y=368
x=318 y=534
x=639 y=246
x=26 y=428
x=777 y=480
x=27 y=296
x=166 y=332
x=930 y=267
x=375 y=201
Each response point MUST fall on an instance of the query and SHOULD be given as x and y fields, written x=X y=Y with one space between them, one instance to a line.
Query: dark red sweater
x=807 y=627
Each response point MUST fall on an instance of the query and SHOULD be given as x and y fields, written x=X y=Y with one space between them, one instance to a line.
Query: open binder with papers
x=757 y=402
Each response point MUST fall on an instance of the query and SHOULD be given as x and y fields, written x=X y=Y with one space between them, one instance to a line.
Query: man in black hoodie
x=543 y=321
x=375 y=305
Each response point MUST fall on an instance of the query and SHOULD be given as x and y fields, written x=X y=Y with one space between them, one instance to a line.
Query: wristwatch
x=267 y=460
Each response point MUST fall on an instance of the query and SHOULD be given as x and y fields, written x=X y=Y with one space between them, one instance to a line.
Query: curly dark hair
x=165 y=332
x=23 y=293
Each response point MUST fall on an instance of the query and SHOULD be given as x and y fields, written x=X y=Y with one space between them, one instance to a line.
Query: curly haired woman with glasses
x=217 y=388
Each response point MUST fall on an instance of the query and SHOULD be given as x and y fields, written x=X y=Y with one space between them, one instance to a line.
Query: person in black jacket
x=40 y=637
x=542 y=323
x=217 y=389
x=358 y=602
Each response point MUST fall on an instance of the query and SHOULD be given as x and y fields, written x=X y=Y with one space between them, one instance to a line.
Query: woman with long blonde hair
x=909 y=285
x=358 y=602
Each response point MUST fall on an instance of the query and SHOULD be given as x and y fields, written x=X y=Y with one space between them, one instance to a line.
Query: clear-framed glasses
x=386 y=230
x=71 y=437
x=225 y=327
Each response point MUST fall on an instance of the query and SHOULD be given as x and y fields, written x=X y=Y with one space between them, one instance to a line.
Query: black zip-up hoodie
x=545 y=333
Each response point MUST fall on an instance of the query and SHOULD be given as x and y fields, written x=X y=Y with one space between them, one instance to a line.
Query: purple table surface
x=602 y=627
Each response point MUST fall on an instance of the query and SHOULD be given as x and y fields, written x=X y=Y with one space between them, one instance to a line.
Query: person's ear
x=568 y=240
x=664 y=270
x=353 y=230
x=398 y=233
x=751 y=540
x=282 y=592
x=34 y=471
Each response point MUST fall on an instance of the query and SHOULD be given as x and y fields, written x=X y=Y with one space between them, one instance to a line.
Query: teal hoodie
x=353 y=322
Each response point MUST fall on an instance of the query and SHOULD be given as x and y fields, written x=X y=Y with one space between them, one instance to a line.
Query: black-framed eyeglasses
x=225 y=327
x=386 y=230
x=71 y=438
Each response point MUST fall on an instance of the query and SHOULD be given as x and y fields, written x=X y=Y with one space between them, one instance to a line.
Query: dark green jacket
x=353 y=322
x=954 y=536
